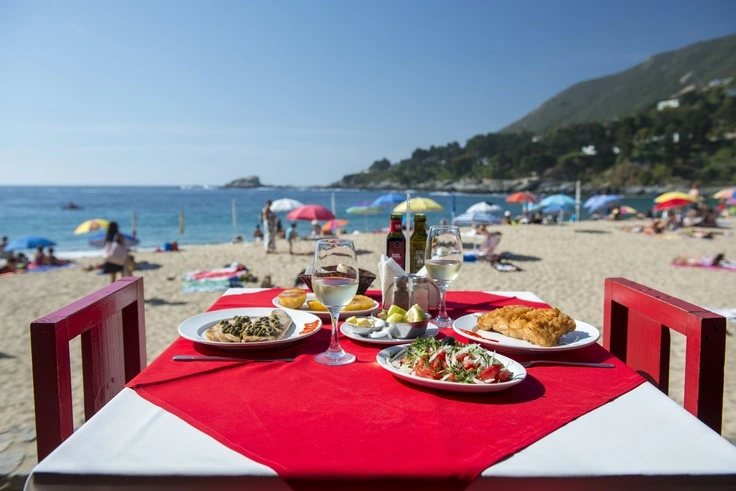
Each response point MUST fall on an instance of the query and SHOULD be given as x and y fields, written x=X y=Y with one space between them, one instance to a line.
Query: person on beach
x=257 y=234
x=270 y=221
x=291 y=236
x=316 y=230
x=115 y=252
x=3 y=253
x=39 y=259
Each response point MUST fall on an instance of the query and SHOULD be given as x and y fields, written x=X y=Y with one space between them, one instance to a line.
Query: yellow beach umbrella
x=91 y=225
x=674 y=195
x=419 y=205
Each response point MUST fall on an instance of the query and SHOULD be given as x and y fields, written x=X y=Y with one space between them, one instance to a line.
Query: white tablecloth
x=133 y=443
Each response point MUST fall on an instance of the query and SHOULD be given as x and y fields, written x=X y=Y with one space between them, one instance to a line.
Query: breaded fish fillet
x=543 y=327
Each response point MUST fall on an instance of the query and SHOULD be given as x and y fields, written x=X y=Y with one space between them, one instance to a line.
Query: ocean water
x=208 y=217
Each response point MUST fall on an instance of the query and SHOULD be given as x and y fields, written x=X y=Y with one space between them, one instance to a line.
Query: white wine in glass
x=443 y=259
x=335 y=283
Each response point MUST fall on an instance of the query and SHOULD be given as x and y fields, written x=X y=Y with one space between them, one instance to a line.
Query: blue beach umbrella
x=98 y=240
x=389 y=199
x=29 y=242
x=600 y=201
x=557 y=200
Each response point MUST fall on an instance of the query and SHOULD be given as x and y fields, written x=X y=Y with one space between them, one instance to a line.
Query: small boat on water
x=71 y=206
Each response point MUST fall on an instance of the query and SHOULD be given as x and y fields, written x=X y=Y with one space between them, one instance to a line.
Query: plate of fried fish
x=522 y=330
x=249 y=328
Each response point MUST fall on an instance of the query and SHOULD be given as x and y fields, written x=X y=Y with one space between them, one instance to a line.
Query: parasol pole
x=408 y=216
x=333 y=204
x=577 y=201
x=181 y=222
x=235 y=219
x=134 y=222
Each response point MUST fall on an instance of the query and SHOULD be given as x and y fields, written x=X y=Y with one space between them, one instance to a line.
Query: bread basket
x=365 y=278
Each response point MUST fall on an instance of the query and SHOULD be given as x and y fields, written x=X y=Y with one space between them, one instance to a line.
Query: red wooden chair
x=111 y=324
x=636 y=328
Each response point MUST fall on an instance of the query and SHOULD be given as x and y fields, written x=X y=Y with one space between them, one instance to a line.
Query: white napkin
x=387 y=270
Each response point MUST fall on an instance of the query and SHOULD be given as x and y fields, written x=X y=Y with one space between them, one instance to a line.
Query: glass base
x=335 y=358
x=442 y=321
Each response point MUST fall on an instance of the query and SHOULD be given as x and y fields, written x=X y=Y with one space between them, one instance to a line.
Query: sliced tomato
x=425 y=372
x=504 y=375
x=461 y=356
x=489 y=373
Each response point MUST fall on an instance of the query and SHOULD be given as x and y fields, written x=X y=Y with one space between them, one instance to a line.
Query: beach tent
x=484 y=207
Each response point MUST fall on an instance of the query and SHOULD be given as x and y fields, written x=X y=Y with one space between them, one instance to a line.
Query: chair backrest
x=636 y=328
x=489 y=244
x=111 y=324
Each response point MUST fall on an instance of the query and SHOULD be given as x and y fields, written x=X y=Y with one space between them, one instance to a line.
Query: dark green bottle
x=418 y=243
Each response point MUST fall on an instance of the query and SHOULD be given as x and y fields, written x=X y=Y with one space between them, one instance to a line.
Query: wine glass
x=443 y=259
x=335 y=283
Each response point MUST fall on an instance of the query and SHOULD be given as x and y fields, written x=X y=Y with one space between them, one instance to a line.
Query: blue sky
x=296 y=92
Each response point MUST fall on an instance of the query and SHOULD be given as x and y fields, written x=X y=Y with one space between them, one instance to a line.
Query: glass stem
x=334 y=336
x=443 y=309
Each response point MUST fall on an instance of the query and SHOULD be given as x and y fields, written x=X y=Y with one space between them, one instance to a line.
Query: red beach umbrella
x=521 y=197
x=333 y=224
x=310 y=212
x=672 y=203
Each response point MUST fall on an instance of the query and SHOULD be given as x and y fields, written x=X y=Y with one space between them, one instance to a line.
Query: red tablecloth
x=358 y=427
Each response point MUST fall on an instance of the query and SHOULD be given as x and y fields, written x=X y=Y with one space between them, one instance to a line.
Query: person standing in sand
x=115 y=252
x=270 y=221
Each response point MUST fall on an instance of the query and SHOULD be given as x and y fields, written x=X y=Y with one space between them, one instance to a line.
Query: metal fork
x=527 y=364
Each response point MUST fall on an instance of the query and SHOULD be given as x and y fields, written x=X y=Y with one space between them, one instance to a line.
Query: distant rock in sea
x=245 y=182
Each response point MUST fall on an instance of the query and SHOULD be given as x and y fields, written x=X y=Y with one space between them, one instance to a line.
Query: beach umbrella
x=365 y=209
x=521 y=197
x=29 y=242
x=483 y=207
x=285 y=205
x=98 y=240
x=91 y=225
x=728 y=193
x=310 y=212
x=334 y=224
x=478 y=217
x=389 y=199
x=601 y=201
x=662 y=198
x=627 y=210
x=419 y=205
x=672 y=203
x=558 y=209
x=558 y=200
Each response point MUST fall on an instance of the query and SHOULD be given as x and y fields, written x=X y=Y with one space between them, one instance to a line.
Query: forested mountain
x=694 y=141
x=660 y=77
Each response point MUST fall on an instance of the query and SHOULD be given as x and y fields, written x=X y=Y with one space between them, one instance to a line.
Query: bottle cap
x=420 y=217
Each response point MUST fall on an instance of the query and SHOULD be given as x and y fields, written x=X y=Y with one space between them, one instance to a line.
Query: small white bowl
x=378 y=324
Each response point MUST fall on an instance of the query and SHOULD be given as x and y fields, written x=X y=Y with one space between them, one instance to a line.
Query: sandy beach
x=563 y=264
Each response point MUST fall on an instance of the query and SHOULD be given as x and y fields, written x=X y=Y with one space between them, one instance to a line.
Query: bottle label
x=397 y=251
x=395 y=226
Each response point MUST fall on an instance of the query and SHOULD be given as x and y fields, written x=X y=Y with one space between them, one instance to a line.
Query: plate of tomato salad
x=451 y=367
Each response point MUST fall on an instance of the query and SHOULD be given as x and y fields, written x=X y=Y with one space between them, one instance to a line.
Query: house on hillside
x=720 y=82
x=668 y=104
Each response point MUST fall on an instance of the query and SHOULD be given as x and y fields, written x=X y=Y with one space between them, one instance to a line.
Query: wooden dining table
x=302 y=425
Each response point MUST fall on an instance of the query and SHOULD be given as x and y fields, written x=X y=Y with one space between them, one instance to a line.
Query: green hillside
x=660 y=77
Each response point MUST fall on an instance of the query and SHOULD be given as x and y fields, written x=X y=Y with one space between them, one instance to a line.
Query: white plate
x=583 y=335
x=324 y=314
x=193 y=328
x=347 y=330
x=518 y=373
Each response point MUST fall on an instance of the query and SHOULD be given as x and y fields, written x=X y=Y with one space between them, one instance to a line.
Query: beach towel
x=705 y=262
x=45 y=269
x=219 y=279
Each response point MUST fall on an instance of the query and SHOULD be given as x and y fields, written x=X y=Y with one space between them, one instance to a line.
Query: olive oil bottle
x=418 y=243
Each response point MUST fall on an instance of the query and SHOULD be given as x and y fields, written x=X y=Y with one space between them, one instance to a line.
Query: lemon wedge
x=415 y=314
